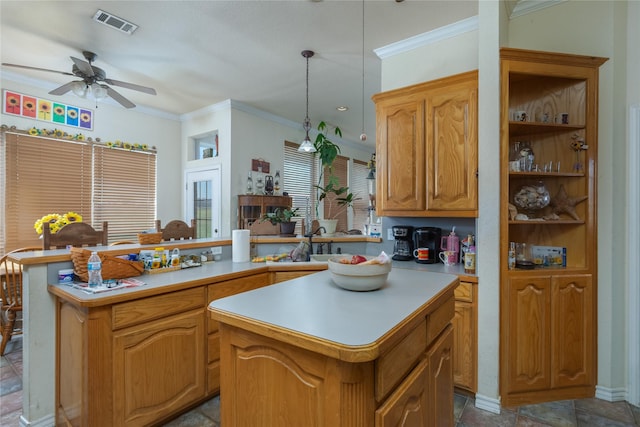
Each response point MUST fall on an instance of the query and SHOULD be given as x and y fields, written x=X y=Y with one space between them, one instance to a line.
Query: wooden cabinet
x=426 y=148
x=548 y=142
x=131 y=363
x=253 y=207
x=221 y=290
x=276 y=378
x=465 y=336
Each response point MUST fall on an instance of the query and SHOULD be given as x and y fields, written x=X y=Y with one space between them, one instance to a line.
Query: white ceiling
x=198 y=53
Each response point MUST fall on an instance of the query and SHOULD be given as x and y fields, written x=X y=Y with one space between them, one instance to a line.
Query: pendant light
x=307 y=145
x=363 y=135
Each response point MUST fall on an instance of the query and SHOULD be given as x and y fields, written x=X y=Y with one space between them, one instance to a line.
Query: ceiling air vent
x=114 y=22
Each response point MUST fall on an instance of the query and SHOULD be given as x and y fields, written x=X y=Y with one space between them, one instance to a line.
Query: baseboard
x=488 y=403
x=47 y=421
x=611 y=394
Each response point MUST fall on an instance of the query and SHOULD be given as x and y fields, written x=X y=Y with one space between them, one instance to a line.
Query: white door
x=203 y=201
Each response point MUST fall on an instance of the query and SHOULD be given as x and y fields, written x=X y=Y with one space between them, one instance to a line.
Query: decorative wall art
x=18 y=104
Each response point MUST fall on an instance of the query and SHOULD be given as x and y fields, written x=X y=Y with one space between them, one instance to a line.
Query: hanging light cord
x=363 y=136
x=306 y=125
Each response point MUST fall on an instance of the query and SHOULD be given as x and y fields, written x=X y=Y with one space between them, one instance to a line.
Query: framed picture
x=54 y=112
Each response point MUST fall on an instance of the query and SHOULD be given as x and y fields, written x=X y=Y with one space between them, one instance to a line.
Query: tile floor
x=566 y=413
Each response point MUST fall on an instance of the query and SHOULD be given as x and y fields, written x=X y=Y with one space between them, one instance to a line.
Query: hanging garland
x=60 y=134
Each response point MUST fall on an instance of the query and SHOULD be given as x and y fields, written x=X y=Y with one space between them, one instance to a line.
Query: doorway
x=203 y=201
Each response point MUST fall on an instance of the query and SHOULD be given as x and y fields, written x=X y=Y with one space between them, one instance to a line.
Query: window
x=360 y=190
x=300 y=177
x=46 y=175
x=297 y=178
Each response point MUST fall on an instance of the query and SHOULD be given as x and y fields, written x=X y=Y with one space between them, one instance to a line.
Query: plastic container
x=65 y=277
x=94 y=269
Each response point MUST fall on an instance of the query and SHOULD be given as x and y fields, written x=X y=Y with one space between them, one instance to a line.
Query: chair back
x=177 y=230
x=76 y=234
x=11 y=281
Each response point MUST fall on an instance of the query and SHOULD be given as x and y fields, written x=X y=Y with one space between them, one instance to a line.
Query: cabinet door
x=528 y=333
x=441 y=380
x=573 y=333
x=159 y=368
x=463 y=360
x=400 y=155
x=452 y=146
x=409 y=405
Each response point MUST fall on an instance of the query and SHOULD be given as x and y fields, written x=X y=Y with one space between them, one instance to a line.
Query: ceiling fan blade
x=36 y=68
x=121 y=99
x=83 y=66
x=132 y=86
x=62 y=89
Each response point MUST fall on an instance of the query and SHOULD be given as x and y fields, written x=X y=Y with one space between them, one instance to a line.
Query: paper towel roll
x=240 y=245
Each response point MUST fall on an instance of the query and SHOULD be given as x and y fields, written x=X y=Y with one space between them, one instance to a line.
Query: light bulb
x=79 y=89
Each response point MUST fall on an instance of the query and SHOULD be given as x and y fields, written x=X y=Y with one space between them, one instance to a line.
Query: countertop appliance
x=403 y=246
x=428 y=237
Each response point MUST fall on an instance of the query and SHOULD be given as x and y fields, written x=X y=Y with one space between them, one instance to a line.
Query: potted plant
x=342 y=198
x=282 y=217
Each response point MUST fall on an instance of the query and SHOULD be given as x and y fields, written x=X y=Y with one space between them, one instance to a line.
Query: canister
x=65 y=277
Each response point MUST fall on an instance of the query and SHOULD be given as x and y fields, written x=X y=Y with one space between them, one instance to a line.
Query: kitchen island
x=305 y=352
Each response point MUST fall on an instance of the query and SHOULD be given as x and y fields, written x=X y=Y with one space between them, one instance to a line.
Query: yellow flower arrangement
x=56 y=221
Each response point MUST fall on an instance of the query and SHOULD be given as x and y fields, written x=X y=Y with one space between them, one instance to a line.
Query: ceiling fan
x=92 y=77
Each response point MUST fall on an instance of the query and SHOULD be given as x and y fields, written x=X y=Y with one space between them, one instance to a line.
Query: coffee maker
x=428 y=237
x=403 y=246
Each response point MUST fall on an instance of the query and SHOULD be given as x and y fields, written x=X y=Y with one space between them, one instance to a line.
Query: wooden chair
x=177 y=230
x=76 y=234
x=11 y=294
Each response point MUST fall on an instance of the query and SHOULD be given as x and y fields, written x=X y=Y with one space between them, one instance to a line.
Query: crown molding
x=523 y=7
x=424 y=39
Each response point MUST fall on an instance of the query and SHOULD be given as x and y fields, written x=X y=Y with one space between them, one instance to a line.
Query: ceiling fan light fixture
x=79 y=89
x=99 y=91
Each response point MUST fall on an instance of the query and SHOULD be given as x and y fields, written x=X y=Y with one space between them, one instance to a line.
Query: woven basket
x=112 y=267
x=149 y=238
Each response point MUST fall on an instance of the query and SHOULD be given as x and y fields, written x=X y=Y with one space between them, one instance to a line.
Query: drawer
x=394 y=365
x=139 y=311
x=464 y=292
x=440 y=318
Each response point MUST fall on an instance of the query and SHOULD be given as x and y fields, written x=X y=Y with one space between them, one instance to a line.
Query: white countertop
x=315 y=306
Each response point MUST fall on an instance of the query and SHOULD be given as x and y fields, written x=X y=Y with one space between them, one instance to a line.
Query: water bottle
x=94 y=267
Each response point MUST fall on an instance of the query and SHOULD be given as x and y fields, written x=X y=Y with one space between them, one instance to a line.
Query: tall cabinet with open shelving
x=548 y=307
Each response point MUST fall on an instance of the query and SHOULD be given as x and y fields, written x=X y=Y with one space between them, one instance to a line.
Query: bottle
x=512 y=255
x=175 y=257
x=94 y=268
x=470 y=260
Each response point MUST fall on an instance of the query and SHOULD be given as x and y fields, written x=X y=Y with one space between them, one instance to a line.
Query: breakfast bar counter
x=306 y=352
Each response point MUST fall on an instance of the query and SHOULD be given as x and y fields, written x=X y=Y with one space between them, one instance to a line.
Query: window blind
x=124 y=191
x=298 y=178
x=331 y=208
x=42 y=176
x=360 y=189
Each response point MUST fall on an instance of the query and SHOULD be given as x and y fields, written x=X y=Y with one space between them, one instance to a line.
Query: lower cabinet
x=268 y=381
x=465 y=336
x=132 y=363
x=221 y=290
x=551 y=338
x=425 y=397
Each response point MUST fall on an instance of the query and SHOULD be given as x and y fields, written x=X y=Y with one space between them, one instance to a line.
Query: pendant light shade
x=307 y=145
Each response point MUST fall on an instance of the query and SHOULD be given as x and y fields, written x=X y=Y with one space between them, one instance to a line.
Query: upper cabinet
x=427 y=148
x=548 y=207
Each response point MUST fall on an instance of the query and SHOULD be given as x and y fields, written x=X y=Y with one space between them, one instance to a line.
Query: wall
x=246 y=133
x=133 y=125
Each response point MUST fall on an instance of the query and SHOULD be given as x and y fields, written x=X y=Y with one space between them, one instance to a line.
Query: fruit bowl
x=358 y=277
